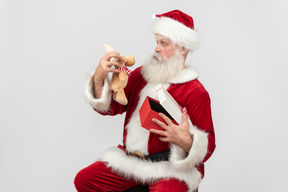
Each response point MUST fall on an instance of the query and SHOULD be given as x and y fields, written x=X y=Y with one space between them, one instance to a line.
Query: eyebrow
x=164 y=39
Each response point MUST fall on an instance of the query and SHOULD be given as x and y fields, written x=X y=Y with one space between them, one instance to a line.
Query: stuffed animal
x=119 y=80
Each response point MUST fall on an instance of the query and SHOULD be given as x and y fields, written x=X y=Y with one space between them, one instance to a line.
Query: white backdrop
x=48 y=132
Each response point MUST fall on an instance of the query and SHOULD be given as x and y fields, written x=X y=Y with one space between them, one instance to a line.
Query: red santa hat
x=178 y=27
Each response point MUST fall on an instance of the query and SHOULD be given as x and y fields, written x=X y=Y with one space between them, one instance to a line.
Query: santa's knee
x=81 y=180
x=90 y=178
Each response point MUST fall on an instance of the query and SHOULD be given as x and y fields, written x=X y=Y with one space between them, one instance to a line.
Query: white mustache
x=157 y=56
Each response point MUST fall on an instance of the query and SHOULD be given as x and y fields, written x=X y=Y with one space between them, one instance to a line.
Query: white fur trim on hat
x=103 y=103
x=177 y=33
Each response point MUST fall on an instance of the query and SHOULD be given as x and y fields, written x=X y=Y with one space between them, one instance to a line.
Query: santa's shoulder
x=194 y=87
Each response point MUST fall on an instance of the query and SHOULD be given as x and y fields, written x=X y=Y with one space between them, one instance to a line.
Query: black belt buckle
x=155 y=157
x=161 y=156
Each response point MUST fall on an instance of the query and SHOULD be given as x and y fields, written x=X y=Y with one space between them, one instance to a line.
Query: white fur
x=146 y=171
x=187 y=74
x=103 y=103
x=196 y=154
x=177 y=32
x=137 y=137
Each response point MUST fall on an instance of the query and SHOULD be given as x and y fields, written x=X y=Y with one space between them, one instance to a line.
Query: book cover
x=166 y=104
x=149 y=110
x=169 y=103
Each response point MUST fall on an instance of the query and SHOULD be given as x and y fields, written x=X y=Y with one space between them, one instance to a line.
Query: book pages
x=169 y=103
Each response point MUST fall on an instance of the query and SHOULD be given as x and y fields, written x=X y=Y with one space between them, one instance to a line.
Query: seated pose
x=167 y=159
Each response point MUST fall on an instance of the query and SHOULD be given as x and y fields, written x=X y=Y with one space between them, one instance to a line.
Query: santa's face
x=165 y=63
x=165 y=49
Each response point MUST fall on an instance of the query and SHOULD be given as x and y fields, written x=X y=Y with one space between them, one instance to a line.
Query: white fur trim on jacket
x=197 y=152
x=187 y=74
x=103 y=103
x=146 y=171
x=177 y=33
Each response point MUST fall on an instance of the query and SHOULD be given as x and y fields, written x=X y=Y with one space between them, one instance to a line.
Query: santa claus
x=171 y=159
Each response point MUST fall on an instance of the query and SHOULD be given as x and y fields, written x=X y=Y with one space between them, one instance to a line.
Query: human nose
x=157 y=48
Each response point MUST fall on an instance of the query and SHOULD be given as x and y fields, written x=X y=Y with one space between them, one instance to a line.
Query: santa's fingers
x=108 y=61
x=108 y=64
x=113 y=63
x=160 y=123
x=113 y=70
x=158 y=132
x=111 y=55
x=164 y=139
x=165 y=118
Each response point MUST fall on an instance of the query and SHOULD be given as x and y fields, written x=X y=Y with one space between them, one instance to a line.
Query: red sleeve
x=199 y=111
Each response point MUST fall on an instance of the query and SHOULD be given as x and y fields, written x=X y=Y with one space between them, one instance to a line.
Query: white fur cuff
x=103 y=103
x=197 y=152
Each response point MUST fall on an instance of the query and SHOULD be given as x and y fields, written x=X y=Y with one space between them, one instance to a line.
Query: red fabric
x=179 y=16
x=168 y=185
x=98 y=177
x=191 y=95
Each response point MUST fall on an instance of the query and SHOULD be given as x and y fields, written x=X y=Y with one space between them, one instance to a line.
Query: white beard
x=161 y=71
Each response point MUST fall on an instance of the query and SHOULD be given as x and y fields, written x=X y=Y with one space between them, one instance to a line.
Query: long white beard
x=161 y=71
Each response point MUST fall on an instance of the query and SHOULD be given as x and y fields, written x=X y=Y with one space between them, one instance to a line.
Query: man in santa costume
x=171 y=159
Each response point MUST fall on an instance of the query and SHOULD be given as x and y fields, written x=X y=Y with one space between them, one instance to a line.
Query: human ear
x=183 y=51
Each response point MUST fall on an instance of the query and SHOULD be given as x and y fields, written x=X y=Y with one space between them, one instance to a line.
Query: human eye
x=164 y=43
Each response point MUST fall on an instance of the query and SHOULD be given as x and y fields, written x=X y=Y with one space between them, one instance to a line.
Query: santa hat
x=178 y=27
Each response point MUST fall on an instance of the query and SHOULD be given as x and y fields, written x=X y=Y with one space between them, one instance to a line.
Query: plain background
x=48 y=132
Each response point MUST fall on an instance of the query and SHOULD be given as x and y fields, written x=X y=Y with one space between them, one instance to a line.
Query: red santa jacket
x=188 y=92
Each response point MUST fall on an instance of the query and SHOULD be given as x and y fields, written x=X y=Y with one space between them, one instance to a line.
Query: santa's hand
x=106 y=65
x=175 y=134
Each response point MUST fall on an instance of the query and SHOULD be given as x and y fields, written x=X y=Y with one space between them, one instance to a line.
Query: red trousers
x=98 y=177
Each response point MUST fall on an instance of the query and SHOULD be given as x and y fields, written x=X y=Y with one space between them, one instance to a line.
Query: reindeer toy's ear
x=119 y=80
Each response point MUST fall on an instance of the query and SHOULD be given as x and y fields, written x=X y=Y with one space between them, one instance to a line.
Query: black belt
x=155 y=157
